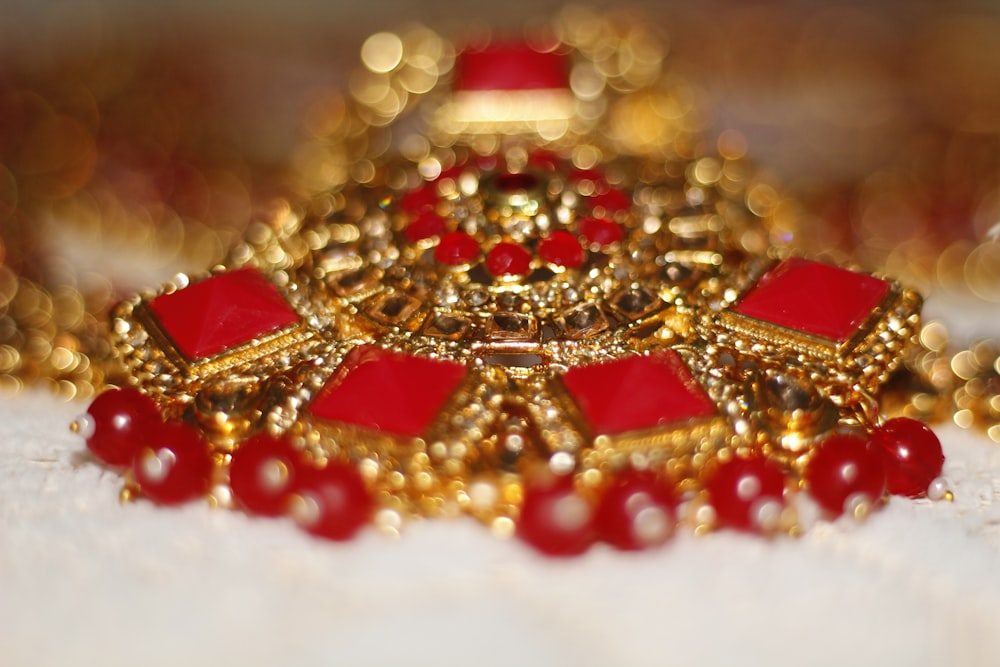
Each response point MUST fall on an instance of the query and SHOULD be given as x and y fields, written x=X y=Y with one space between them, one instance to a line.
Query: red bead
x=508 y=259
x=332 y=502
x=263 y=473
x=601 y=232
x=739 y=488
x=637 y=392
x=814 y=298
x=174 y=465
x=388 y=391
x=510 y=66
x=456 y=249
x=844 y=469
x=222 y=312
x=117 y=423
x=911 y=454
x=562 y=249
x=555 y=519
x=611 y=201
x=427 y=225
x=637 y=511
x=423 y=197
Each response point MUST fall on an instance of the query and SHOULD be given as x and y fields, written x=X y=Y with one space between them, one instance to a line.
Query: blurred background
x=138 y=139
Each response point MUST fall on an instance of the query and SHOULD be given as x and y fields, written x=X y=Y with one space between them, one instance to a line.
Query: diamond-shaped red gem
x=601 y=232
x=814 y=298
x=637 y=393
x=222 y=312
x=388 y=391
x=427 y=225
x=510 y=66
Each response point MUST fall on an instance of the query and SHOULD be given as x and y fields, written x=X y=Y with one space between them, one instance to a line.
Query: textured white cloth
x=87 y=581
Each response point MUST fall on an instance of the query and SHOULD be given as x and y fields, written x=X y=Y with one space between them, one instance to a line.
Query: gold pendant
x=522 y=311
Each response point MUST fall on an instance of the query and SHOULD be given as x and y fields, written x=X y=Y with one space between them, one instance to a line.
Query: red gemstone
x=637 y=392
x=508 y=259
x=388 y=391
x=844 y=469
x=222 y=312
x=456 y=249
x=510 y=66
x=739 y=488
x=911 y=454
x=427 y=225
x=263 y=474
x=421 y=198
x=814 y=298
x=611 y=201
x=562 y=249
x=637 y=511
x=117 y=423
x=174 y=465
x=601 y=232
x=333 y=502
x=555 y=519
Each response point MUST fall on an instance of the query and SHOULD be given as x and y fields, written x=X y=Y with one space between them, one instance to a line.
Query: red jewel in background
x=600 y=232
x=610 y=201
x=426 y=225
x=456 y=249
x=508 y=259
x=423 y=197
x=561 y=249
x=510 y=66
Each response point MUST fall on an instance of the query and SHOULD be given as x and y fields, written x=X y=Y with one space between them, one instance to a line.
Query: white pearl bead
x=84 y=426
x=766 y=514
x=937 y=489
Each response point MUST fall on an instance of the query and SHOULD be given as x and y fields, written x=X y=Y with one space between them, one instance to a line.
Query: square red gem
x=222 y=312
x=510 y=66
x=637 y=393
x=813 y=298
x=388 y=391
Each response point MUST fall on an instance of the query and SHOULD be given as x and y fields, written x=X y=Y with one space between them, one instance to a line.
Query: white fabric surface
x=87 y=581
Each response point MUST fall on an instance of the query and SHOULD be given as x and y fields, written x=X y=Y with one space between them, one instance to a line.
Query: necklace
x=544 y=303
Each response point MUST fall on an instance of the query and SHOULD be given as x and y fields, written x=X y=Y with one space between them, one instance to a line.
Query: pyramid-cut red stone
x=813 y=298
x=388 y=391
x=222 y=312
x=510 y=66
x=637 y=393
